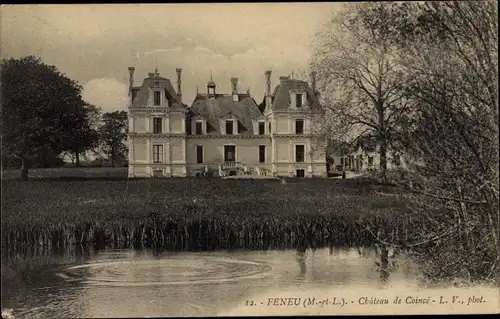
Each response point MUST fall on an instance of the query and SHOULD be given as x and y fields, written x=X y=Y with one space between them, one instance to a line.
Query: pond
x=147 y=283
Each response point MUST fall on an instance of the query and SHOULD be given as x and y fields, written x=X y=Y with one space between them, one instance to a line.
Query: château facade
x=224 y=134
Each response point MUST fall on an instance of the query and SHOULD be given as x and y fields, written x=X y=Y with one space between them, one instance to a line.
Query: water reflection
x=122 y=283
x=301 y=261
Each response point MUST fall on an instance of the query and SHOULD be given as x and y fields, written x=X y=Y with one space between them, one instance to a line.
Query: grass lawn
x=123 y=207
x=69 y=172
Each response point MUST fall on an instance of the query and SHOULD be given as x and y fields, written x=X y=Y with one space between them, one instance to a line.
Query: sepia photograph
x=249 y=159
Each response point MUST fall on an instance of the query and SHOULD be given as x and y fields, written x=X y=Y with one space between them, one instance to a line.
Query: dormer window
x=157 y=98
x=262 y=128
x=229 y=127
x=298 y=100
x=199 y=128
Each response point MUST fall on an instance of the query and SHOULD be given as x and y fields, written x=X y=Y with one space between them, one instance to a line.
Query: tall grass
x=198 y=214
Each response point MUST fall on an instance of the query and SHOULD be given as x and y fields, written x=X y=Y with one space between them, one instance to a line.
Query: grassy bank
x=197 y=213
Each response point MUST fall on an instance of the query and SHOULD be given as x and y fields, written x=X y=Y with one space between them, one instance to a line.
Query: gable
x=149 y=85
x=282 y=96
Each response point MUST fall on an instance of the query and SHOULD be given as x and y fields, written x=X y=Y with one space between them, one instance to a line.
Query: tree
x=359 y=77
x=39 y=109
x=84 y=136
x=113 y=133
x=449 y=53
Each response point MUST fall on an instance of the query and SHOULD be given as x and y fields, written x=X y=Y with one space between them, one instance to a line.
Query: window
x=262 y=153
x=300 y=173
x=229 y=127
x=298 y=100
x=370 y=160
x=262 y=128
x=157 y=125
x=341 y=161
x=299 y=126
x=269 y=127
x=299 y=153
x=229 y=153
x=157 y=153
x=157 y=98
x=199 y=128
x=199 y=154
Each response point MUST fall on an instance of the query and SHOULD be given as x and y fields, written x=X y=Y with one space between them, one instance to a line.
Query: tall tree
x=449 y=53
x=84 y=136
x=113 y=134
x=359 y=77
x=39 y=108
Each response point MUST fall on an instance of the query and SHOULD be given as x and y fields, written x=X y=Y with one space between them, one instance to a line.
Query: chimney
x=313 y=81
x=234 y=89
x=268 y=98
x=151 y=75
x=268 y=82
x=179 y=82
x=131 y=70
x=283 y=78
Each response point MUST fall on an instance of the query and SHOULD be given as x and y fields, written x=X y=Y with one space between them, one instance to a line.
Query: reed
x=198 y=214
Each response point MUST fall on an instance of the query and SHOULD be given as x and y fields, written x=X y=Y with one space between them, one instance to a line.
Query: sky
x=95 y=44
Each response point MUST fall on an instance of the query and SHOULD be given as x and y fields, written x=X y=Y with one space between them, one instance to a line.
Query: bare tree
x=449 y=53
x=359 y=76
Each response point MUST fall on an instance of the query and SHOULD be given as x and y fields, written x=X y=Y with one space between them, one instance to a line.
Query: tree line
x=422 y=77
x=45 y=118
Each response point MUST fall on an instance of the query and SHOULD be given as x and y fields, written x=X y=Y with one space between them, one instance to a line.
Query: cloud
x=107 y=93
x=197 y=60
x=158 y=51
x=97 y=43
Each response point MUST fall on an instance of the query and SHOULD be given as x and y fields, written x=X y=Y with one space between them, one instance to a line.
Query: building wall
x=141 y=146
x=179 y=150
x=282 y=125
x=139 y=123
x=247 y=152
x=177 y=125
x=285 y=164
x=363 y=166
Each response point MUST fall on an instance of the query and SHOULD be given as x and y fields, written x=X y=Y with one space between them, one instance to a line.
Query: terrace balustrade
x=226 y=167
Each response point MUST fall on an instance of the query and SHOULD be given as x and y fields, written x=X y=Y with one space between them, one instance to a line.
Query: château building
x=363 y=155
x=224 y=133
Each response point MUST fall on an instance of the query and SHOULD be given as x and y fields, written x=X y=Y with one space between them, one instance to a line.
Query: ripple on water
x=175 y=270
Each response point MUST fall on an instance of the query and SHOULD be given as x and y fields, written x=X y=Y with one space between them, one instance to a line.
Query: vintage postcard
x=249 y=159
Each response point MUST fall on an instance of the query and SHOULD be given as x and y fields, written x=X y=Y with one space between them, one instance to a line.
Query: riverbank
x=199 y=213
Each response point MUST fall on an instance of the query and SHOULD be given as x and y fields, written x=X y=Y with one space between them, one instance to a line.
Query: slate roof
x=262 y=105
x=143 y=94
x=212 y=110
x=281 y=94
